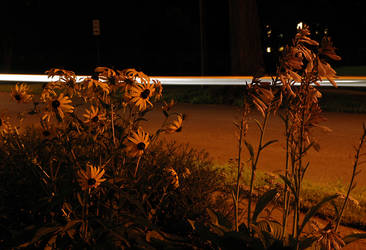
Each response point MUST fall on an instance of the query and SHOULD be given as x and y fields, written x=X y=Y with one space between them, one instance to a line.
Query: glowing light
x=268 y=49
x=299 y=26
x=345 y=81
x=280 y=49
x=30 y=78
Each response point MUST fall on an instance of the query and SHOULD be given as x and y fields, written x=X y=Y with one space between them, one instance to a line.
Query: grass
x=359 y=70
x=342 y=99
x=312 y=193
x=349 y=100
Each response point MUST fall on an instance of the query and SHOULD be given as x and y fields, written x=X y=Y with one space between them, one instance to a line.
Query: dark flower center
x=95 y=76
x=95 y=119
x=55 y=104
x=91 y=181
x=1 y=122
x=141 y=146
x=129 y=81
x=46 y=133
x=70 y=83
x=18 y=97
x=145 y=94
x=179 y=129
x=112 y=80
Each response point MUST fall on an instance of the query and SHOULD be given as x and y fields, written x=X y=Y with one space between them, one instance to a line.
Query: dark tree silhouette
x=245 y=38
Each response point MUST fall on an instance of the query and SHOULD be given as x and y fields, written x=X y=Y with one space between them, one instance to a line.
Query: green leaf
x=315 y=209
x=213 y=217
x=261 y=236
x=307 y=243
x=192 y=223
x=79 y=199
x=71 y=224
x=140 y=119
x=154 y=235
x=263 y=225
x=259 y=125
x=43 y=231
x=337 y=212
x=250 y=149
x=269 y=143
x=353 y=237
x=276 y=229
x=244 y=229
x=289 y=184
x=263 y=201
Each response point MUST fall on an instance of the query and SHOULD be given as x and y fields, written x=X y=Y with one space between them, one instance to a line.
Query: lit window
x=269 y=32
x=299 y=25
x=268 y=50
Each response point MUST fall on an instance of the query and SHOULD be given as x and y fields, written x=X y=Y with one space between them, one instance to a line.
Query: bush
x=89 y=175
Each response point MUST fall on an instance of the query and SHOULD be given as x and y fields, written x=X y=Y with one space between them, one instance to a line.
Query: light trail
x=344 y=81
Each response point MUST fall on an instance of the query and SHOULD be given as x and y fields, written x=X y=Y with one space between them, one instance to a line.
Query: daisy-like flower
x=326 y=237
x=91 y=178
x=47 y=131
x=94 y=115
x=93 y=85
x=186 y=173
x=175 y=126
x=4 y=124
x=109 y=76
x=139 y=142
x=21 y=94
x=48 y=91
x=158 y=89
x=172 y=177
x=167 y=106
x=57 y=107
x=67 y=80
x=140 y=94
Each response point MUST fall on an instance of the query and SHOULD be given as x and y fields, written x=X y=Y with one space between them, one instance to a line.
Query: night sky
x=159 y=37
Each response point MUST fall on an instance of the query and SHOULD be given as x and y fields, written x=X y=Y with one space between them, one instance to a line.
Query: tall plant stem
x=112 y=119
x=354 y=173
x=286 y=194
x=255 y=162
x=298 y=172
x=237 y=190
x=137 y=167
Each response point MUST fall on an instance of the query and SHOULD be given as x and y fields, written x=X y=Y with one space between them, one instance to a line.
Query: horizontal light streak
x=344 y=81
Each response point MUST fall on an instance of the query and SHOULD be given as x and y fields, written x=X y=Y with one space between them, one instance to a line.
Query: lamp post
x=96 y=34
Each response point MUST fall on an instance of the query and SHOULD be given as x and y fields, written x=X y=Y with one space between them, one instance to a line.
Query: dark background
x=164 y=37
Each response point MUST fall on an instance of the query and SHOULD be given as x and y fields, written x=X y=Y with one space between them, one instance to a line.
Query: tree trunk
x=245 y=38
x=7 y=55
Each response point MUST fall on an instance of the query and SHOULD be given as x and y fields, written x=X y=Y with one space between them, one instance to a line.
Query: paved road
x=210 y=127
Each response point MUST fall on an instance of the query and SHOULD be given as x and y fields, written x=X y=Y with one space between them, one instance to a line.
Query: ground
x=210 y=127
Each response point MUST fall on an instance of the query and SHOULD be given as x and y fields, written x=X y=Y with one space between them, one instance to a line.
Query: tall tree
x=245 y=38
